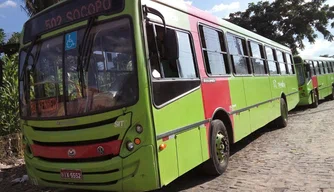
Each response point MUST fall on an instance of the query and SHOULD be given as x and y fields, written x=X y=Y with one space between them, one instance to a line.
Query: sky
x=12 y=18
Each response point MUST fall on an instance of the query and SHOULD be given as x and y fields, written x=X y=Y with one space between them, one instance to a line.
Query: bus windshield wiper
x=24 y=70
x=84 y=51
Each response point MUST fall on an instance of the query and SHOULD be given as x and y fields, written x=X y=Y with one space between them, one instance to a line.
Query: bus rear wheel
x=331 y=96
x=282 y=121
x=315 y=100
x=219 y=150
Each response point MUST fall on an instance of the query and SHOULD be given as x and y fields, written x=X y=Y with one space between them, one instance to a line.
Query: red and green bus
x=315 y=79
x=128 y=95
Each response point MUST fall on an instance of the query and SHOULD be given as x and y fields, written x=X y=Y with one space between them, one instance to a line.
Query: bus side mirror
x=171 y=45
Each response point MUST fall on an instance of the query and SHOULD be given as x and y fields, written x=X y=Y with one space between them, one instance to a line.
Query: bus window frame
x=155 y=23
x=247 y=57
x=275 y=60
x=284 y=62
x=229 y=63
x=293 y=72
x=266 y=67
x=162 y=80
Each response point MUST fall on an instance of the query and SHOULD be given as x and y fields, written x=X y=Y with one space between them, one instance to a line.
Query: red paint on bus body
x=215 y=94
x=77 y=152
x=315 y=81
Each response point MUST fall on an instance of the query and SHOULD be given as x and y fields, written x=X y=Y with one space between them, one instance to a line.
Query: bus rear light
x=137 y=141
x=139 y=129
x=130 y=146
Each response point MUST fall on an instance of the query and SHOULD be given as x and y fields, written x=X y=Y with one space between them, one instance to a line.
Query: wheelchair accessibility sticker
x=71 y=41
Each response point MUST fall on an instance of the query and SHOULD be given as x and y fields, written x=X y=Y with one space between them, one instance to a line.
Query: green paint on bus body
x=310 y=81
x=148 y=167
x=132 y=173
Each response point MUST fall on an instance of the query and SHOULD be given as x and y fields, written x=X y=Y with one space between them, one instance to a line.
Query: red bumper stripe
x=78 y=152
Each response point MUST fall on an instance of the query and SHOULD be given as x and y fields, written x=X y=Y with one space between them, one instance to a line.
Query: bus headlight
x=139 y=129
x=130 y=146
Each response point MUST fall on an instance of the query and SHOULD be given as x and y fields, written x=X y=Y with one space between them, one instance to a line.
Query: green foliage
x=35 y=6
x=15 y=38
x=2 y=36
x=9 y=105
x=288 y=22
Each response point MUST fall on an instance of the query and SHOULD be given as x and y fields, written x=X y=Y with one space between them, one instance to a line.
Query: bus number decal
x=119 y=123
x=78 y=13
x=53 y=22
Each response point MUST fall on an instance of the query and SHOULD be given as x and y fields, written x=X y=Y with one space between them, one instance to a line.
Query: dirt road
x=299 y=157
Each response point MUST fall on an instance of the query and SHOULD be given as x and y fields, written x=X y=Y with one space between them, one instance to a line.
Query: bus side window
x=281 y=63
x=172 y=62
x=289 y=63
x=214 y=51
x=258 y=59
x=238 y=54
x=273 y=68
x=165 y=54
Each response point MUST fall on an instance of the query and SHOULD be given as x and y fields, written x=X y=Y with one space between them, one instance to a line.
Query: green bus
x=315 y=79
x=128 y=95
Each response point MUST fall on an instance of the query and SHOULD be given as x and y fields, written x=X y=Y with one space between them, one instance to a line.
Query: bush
x=9 y=96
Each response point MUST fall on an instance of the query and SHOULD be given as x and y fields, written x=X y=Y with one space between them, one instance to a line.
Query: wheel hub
x=221 y=147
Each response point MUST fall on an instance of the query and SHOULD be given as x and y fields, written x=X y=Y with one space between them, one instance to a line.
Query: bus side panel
x=322 y=83
x=242 y=119
x=176 y=116
x=177 y=123
x=278 y=87
x=216 y=92
x=258 y=94
x=329 y=83
x=292 y=93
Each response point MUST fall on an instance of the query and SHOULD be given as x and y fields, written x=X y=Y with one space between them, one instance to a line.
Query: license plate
x=71 y=174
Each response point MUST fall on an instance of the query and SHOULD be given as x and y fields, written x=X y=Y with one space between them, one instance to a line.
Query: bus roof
x=196 y=12
x=316 y=58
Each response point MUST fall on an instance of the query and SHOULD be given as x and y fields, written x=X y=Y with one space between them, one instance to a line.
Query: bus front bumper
x=137 y=172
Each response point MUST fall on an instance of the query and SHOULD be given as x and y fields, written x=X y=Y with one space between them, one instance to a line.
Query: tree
x=11 y=46
x=9 y=105
x=287 y=22
x=2 y=36
x=15 y=38
x=35 y=6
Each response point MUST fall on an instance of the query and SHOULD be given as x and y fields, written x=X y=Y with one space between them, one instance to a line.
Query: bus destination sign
x=68 y=12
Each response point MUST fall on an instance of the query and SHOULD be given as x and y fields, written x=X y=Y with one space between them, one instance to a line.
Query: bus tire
x=219 y=149
x=315 y=100
x=282 y=121
x=331 y=96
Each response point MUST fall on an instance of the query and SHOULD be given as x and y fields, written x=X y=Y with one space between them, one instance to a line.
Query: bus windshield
x=57 y=84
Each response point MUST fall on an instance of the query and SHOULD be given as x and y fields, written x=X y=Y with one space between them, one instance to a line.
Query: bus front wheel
x=219 y=149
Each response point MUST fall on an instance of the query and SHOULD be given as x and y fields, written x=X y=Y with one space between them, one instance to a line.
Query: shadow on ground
x=195 y=177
